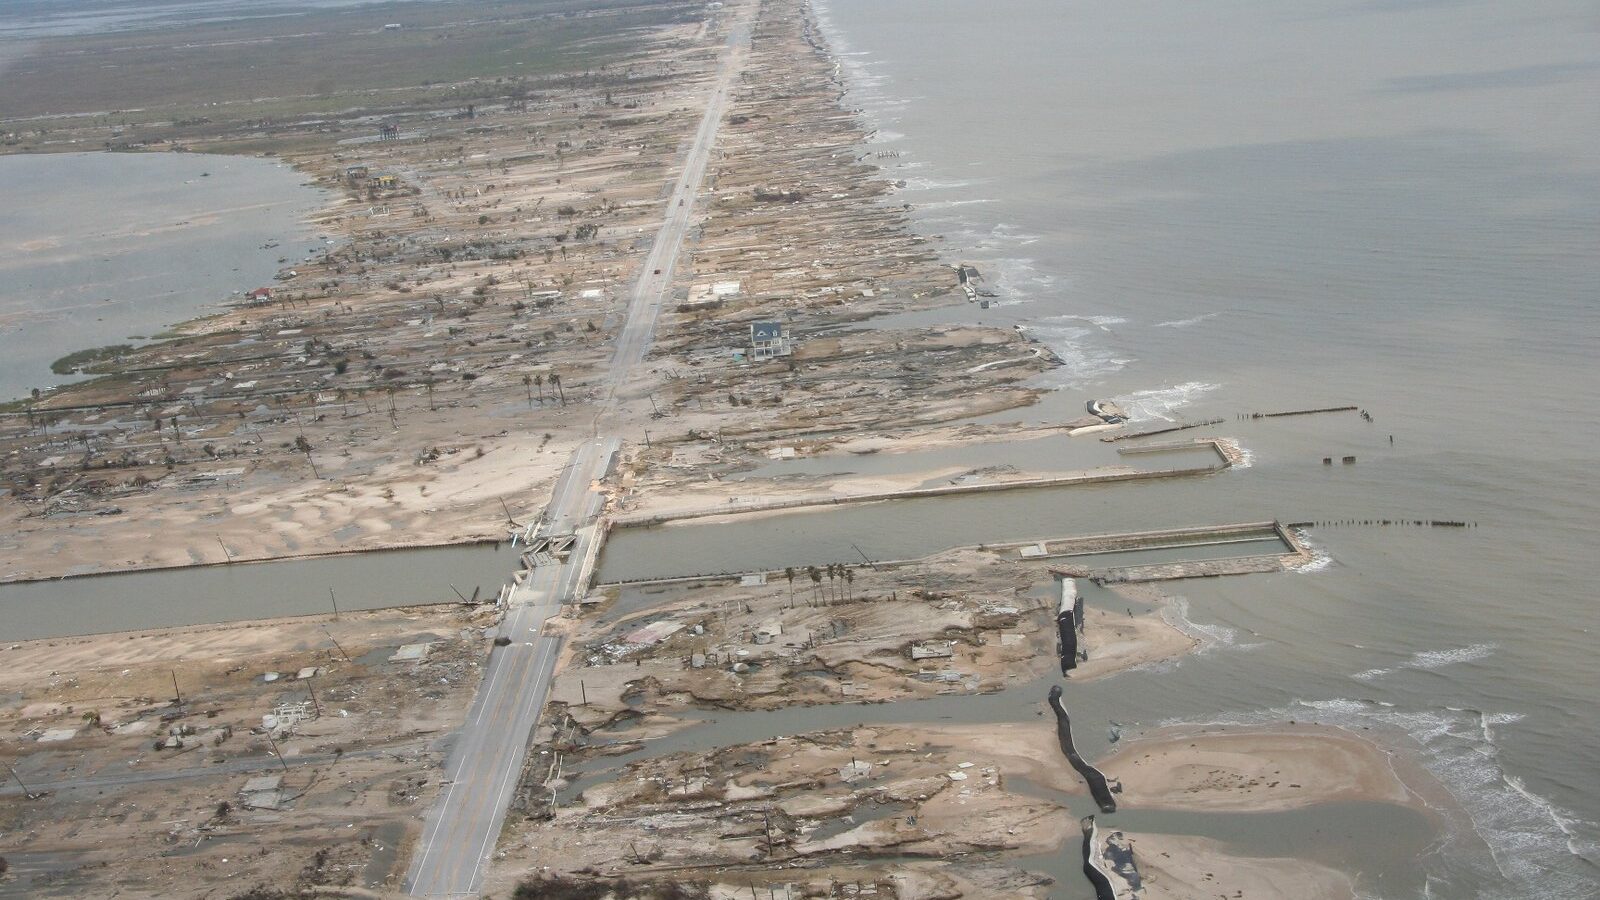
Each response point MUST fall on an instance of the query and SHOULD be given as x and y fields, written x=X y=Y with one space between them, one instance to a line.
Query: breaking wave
x=1320 y=558
x=1185 y=323
x=1083 y=361
x=1536 y=849
x=920 y=183
x=1208 y=637
x=1432 y=659
x=1162 y=403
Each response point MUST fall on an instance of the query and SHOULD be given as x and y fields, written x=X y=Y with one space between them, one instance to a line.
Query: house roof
x=766 y=331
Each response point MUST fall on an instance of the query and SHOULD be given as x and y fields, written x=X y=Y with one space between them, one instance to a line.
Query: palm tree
x=555 y=382
x=304 y=446
x=832 y=595
x=788 y=572
x=849 y=579
x=816 y=581
x=527 y=385
x=428 y=383
x=539 y=380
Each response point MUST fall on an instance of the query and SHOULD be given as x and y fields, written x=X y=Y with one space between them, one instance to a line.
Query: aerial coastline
x=436 y=377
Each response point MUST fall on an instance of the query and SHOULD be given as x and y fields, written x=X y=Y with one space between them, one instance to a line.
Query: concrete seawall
x=1295 y=553
x=916 y=493
x=1094 y=543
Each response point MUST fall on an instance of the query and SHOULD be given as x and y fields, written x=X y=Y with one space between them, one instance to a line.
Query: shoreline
x=891 y=803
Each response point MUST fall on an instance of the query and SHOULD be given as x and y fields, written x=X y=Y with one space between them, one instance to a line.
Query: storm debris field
x=285 y=753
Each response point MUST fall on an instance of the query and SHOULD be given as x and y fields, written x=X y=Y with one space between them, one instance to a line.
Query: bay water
x=106 y=248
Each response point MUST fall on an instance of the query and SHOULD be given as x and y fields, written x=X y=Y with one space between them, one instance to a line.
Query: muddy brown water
x=165 y=598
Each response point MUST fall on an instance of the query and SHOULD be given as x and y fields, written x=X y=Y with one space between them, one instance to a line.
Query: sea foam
x=1162 y=403
x=1536 y=848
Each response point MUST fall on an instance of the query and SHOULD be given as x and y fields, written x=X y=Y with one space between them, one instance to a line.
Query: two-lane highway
x=481 y=772
x=462 y=827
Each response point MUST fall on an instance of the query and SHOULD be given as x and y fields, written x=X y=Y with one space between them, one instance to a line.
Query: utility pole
x=315 y=706
x=335 y=603
x=224 y=547
x=178 y=694
x=276 y=752
x=336 y=644
x=26 y=793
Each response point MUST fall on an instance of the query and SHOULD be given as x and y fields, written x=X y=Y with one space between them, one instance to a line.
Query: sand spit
x=1178 y=868
x=1255 y=770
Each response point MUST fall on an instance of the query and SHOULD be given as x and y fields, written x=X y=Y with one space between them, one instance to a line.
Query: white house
x=769 y=340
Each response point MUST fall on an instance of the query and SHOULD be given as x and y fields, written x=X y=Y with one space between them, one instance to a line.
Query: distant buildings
x=259 y=296
x=769 y=340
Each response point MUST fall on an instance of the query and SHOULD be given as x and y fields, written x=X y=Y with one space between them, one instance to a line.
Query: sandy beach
x=1256 y=770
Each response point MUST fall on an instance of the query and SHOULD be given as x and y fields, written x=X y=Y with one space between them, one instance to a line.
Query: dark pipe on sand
x=1103 y=889
x=1096 y=781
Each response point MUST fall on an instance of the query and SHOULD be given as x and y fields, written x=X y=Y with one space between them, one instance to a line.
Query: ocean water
x=1233 y=207
x=97 y=248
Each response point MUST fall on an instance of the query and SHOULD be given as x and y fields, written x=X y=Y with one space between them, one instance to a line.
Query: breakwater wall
x=1167 y=537
x=1295 y=552
x=733 y=509
x=1207 y=568
x=1130 y=435
x=1098 y=788
x=1055 y=547
x=1298 y=412
x=1387 y=523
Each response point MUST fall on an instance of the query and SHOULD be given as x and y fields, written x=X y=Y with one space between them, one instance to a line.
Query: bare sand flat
x=1180 y=868
x=1255 y=770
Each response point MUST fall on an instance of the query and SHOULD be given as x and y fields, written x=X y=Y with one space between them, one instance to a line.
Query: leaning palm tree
x=304 y=446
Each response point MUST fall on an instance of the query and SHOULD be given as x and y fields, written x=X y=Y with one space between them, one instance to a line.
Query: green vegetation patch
x=320 y=60
x=79 y=360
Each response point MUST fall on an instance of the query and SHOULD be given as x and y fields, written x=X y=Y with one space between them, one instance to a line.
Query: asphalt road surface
x=461 y=829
